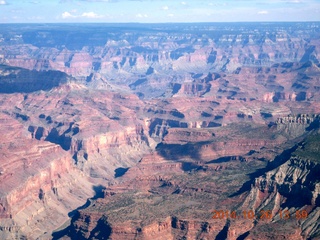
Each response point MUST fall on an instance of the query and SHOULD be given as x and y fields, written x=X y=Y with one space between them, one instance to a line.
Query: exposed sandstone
x=51 y=155
x=213 y=109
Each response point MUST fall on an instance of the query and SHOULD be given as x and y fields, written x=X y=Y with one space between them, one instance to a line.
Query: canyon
x=160 y=131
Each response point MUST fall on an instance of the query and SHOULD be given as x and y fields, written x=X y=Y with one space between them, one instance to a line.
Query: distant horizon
x=158 y=11
x=157 y=22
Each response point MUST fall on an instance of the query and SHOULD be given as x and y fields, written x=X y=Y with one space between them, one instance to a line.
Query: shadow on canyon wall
x=279 y=160
x=119 y=172
x=179 y=151
x=74 y=214
x=20 y=80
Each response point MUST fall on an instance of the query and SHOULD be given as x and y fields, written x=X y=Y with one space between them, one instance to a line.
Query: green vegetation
x=310 y=148
x=193 y=195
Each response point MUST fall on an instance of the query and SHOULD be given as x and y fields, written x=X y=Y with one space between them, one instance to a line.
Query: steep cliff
x=187 y=198
x=153 y=58
x=159 y=132
x=14 y=79
x=39 y=183
x=291 y=188
x=56 y=148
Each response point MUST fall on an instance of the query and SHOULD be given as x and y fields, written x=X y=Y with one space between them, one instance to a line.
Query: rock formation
x=209 y=131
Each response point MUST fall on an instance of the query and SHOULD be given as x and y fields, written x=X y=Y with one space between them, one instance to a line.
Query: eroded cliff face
x=37 y=181
x=150 y=196
x=82 y=138
x=84 y=123
x=159 y=130
x=54 y=159
x=296 y=125
x=154 y=61
x=167 y=228
x=185 y=51
x=287 y=185
x=291 y=179
x=291 y=188
x=26 y=81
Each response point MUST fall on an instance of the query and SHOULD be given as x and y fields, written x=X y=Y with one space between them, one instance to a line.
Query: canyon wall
x=154 y=58
x=147 y=132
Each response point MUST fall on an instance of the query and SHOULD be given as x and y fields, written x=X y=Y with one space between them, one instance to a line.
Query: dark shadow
x=136 y=83
x=62 y=233
x=301 y=96
x=178 y=151
x=62 y=140
x=213 y=124
x=305 y=58
x=174 y=222
x=74 y=214
x=176 y=87
x=22 y=117
x=176 y=113
x=293 y=197
x=212 y=57
x=223 y=234
x=205 y=114
x=279 y=160
x=218 y=117
x=314 y=125
x=89 y=78
x=266 y=115
x=75 y=211
x=228 y=159
x=22 y=80
x=99 y=192
x=101 y=231
x=251 y=152
x=243 y=236
x=150 y=71
x=189 y=166
x=119 y=172
x=39 y=133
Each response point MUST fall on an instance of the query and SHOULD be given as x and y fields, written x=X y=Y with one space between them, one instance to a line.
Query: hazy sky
x=39 y=11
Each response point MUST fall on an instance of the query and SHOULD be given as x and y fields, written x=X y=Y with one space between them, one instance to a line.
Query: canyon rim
x=160 y=131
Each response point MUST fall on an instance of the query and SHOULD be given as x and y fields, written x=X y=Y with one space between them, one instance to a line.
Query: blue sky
x=150 y=11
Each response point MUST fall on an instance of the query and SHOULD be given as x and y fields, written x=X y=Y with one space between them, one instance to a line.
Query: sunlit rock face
x=57 y=147
x=160 y=59
x=146 y=131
